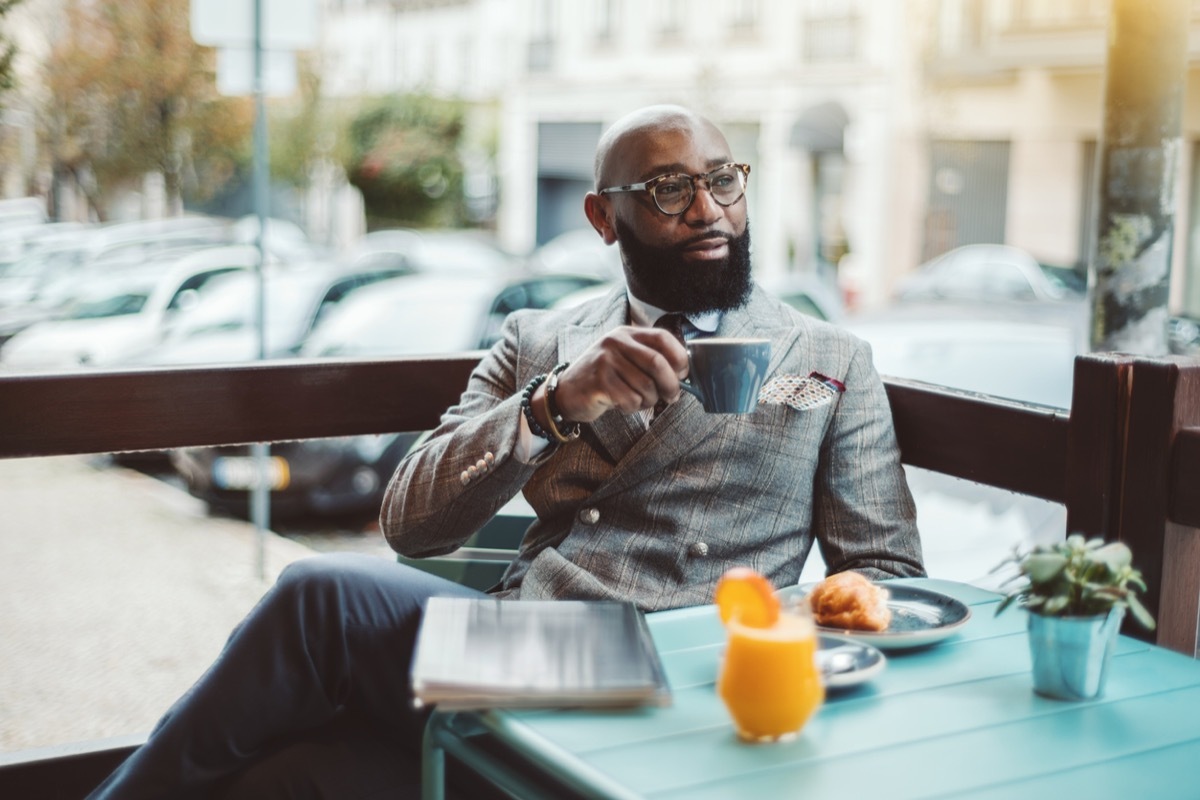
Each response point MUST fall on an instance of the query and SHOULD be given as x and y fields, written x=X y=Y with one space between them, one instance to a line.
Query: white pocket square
x=801 y=392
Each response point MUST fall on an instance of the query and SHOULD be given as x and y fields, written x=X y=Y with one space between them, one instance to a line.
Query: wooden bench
x=1124 y=460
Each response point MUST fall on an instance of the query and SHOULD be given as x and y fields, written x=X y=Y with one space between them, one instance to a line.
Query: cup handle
x=692 y=390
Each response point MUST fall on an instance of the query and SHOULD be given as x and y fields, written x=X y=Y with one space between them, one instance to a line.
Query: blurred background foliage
x=130 y=94
x=402 y=153
x=8 y=51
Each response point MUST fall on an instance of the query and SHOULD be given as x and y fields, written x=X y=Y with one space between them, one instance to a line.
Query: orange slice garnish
x=747 y=596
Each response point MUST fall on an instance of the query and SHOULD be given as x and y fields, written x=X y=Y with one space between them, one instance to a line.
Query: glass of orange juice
x=769 y=678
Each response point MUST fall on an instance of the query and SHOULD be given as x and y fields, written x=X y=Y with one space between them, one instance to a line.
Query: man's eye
x=722 y=181
x=669 y=188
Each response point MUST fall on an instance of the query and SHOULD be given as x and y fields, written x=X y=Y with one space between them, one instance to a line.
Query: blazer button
x=698 y=549
x=465 y=478
x=589 y=516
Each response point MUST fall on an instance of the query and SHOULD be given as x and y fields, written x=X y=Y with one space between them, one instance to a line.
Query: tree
x=402 y=154
x=299 y=131
x=8 y=51
x=128 y=92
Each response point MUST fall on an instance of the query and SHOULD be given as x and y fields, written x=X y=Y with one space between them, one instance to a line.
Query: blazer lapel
x=685 y=424
x=761 y=319
x=616 y=433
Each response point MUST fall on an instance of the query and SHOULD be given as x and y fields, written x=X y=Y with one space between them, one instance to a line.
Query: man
x=639 y=493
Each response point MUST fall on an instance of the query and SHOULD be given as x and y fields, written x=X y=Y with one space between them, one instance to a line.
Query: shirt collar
x=644 y=314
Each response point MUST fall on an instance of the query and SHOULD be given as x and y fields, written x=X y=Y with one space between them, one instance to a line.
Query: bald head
x=696 y=258
x=629 y=136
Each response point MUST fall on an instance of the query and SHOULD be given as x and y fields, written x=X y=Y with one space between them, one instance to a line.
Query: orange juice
x=769 y=678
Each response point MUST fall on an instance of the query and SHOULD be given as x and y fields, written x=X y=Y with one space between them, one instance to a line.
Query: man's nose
x=704 y=209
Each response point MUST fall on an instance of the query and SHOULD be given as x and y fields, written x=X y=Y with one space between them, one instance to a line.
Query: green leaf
x=1140 y=613
x=1055 y=605
x=1114 y=555
x=1043 y=567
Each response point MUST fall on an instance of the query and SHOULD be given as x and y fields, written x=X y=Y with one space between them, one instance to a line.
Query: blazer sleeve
x=465 y=471
x=864 y=515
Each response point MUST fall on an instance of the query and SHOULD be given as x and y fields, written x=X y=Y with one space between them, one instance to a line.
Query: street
x=118 y=590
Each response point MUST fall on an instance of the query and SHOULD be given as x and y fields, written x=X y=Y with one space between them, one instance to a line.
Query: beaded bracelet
x=527 y=410
x=558 y=427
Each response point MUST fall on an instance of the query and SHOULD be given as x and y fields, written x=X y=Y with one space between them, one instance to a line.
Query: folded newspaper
x=480 y=653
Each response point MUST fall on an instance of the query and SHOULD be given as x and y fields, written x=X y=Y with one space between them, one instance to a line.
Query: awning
x=819 y=128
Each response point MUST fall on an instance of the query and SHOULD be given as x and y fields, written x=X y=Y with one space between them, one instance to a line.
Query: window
x=1058 y=13
x=670 y=18
x=605 y=29
x=541 y=37
x=744 y=16
x=832 y=30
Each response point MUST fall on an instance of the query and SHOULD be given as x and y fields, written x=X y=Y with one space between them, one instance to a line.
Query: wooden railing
x=1124 y=461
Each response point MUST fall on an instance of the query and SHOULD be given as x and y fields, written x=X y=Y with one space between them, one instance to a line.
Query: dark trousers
x=309 y=699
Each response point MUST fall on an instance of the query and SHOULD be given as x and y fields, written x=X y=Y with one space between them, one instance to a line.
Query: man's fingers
x=662 y=343
x=629 y=369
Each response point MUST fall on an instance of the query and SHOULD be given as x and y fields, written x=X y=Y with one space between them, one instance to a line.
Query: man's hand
x=629 y=369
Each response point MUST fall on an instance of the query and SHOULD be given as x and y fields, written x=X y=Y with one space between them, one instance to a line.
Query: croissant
x=848 y=600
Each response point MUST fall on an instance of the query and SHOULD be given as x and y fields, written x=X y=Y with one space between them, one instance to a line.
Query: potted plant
x=1076 y=592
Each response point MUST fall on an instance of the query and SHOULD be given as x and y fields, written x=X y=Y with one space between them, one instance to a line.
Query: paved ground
x=115 y=592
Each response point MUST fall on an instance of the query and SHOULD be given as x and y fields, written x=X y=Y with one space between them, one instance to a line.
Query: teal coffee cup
x=725 y=374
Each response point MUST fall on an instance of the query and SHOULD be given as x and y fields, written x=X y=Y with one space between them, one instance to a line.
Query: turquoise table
x=958 y=719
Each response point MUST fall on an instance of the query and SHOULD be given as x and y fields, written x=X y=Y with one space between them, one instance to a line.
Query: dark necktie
x=673 y=323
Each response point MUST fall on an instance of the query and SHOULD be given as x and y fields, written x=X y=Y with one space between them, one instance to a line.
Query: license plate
x=241 y=472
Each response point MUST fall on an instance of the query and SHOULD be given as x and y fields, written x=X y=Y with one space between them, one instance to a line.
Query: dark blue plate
x=920 y=617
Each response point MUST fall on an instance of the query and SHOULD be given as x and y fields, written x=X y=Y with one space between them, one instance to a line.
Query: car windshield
x=1068 y=279
x=229 y=303
x=116 y=305
x=459 y=254
x=406 y=318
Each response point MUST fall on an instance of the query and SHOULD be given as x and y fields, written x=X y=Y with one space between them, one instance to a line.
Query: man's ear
x=598 y=212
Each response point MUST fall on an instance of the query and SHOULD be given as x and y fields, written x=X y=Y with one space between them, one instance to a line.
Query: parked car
x=580 y=252
x=60 y=251
x=18 y=241
x=115 y=317
x=807 y=293
x=222 y=327
x=439 y=251
x=991 y=273
x=21 y=211
x=536 y=291
x=39 y=286
x=413 y=315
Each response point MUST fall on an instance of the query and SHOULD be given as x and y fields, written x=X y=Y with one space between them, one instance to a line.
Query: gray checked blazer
x=656 y=514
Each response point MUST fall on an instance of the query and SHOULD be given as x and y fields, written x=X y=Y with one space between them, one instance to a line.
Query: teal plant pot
x=1071 y=654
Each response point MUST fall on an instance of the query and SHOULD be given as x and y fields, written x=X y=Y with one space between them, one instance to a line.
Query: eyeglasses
x=673 y=194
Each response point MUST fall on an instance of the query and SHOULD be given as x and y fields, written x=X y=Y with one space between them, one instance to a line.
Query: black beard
x=664 y=277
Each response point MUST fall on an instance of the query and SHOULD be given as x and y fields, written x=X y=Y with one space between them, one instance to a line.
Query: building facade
x=810 y=94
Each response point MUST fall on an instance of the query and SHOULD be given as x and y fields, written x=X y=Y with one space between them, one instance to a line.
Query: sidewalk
x=115 y=593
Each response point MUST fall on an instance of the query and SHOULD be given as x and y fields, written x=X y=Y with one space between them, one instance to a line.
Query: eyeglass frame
x=650 y=185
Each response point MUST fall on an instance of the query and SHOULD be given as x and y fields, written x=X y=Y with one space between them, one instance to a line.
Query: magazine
x=480 y=653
